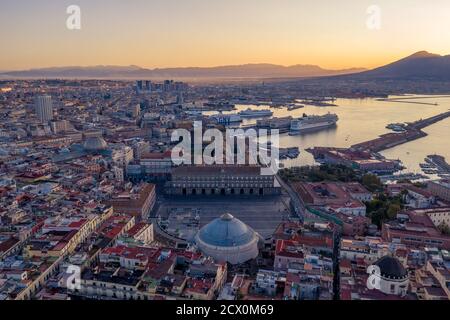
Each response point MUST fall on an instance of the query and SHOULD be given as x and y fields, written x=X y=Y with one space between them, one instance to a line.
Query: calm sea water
x=365 y=119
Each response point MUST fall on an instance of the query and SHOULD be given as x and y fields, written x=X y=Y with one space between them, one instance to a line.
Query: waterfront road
x=296 y=201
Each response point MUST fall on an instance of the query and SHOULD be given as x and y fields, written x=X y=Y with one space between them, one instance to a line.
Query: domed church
x=394 y=277
x=91 y=146
x=95 y=144
x=228 y=239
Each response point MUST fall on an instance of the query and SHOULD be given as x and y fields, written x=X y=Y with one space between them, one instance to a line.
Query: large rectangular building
x=418 y=228
x=221 y=180
x=440 y=189
x=344 y=198
x=137 y=204
x=151 y=167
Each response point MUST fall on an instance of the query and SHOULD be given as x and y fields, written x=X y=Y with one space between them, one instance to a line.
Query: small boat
x=293 y=107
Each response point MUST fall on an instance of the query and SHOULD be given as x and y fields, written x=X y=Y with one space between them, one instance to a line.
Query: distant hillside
x=421 y=65
x=73 y=72
x=135 y=72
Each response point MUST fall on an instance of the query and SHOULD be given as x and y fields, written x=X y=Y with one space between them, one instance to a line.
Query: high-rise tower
x=44 y=108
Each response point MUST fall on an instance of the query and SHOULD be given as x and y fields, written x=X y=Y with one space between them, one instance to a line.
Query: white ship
x=193 y=113
x=312 y=123
x=227 y=118
x=249 y=113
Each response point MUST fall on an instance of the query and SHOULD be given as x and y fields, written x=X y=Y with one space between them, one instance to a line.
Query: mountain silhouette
x=135 y=72
x=421 y=65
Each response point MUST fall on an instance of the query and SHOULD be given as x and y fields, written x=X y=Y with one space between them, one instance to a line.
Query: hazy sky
x=172 y=33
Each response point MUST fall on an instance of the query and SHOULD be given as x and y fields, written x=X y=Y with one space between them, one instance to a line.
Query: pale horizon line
x=206 y=67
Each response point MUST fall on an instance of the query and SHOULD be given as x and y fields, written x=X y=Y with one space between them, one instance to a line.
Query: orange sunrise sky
x=180 y=33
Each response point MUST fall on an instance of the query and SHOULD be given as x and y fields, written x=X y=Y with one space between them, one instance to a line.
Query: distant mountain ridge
x=134 y=72
x=421 y=65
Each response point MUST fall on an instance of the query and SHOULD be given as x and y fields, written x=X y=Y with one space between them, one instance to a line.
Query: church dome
x=228 y=239
x=95 y=144
x=391 y=268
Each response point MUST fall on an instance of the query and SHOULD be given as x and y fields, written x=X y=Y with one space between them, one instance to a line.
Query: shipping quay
x=365 y=156
x=389 y=140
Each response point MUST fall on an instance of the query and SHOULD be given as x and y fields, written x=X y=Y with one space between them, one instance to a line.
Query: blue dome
x=95 y=144
x=226 y=231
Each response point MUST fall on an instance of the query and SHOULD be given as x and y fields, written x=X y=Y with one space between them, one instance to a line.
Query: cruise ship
x=312 y=123
x=249 y=113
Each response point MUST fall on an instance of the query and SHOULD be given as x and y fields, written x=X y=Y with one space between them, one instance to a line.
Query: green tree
x=383 y=208
x=393 y=210
x=377 y=216
x=372 y=182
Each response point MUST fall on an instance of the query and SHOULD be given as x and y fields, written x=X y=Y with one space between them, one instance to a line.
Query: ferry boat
x=226 y=118
x=282 y=124
x=249 y=113
x=293 y=107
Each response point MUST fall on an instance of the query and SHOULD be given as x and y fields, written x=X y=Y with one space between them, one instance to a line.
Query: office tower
x=139 y=86
x=167 y=86
x=44 y=108
x=180 y=99
x=148 y=86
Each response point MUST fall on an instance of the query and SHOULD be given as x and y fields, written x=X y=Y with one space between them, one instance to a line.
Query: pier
x=411 y=100
x=390 y=140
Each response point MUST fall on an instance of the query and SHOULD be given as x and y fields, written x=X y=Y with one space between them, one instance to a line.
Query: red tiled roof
x=7 y=244
x=199 y=286
x=283 y=249
x=78 y=224
x=156 y=155
x=137 y=228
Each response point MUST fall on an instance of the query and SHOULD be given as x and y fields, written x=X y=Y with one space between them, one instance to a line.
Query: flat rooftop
x=262 y=214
